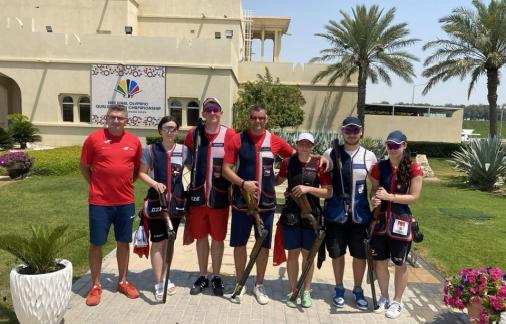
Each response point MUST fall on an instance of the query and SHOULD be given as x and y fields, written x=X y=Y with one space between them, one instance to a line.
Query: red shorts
x=208 y=221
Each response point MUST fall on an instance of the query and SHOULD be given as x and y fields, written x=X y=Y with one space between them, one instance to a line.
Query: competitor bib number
x=400 y=227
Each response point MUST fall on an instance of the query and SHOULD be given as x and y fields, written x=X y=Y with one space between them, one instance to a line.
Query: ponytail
x=404 y=171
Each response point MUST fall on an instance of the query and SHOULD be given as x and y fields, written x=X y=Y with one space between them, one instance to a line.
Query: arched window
x=192 y=114
x=68 y=109
x=84 y=109
x=176 y=110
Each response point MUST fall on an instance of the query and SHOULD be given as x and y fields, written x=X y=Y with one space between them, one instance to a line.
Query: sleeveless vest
x=256 y=165
x=354 y=172
x=211 y=188
x=303 y=175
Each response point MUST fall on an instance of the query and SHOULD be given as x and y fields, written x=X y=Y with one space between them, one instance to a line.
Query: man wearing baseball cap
x=209 y=200
x=347 y=212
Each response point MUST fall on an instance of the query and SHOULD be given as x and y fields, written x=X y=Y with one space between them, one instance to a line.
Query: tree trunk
x=492 y=82
x=362 y=83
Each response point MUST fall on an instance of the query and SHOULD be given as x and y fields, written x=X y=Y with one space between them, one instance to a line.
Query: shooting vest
x=168 y=169
x=211 y=188
x=354 y=172
x=256 y=164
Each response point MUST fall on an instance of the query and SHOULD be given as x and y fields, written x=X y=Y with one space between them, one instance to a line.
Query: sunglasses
x=117 y=117
x=393 y=146
x=352 y=130
x=257 y=118
x=169 y=129
x=212 y=108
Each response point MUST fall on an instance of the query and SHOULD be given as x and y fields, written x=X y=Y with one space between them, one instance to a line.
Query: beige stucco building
x=48 y=47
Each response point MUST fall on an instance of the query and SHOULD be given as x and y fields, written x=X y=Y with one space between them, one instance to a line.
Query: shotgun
x=370 y=260
x=171 y=234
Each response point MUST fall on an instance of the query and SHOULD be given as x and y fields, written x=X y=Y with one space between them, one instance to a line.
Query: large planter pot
x=41 y=298
x=17 y=173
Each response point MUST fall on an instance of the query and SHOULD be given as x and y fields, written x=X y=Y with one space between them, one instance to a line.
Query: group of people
x=225 y=165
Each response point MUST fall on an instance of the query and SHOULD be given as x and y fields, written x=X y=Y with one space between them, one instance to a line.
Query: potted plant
x=482 y=291
x=17 y=164
x=41 y=284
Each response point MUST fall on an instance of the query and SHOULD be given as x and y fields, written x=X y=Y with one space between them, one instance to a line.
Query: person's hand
x=300 y=190
x=372 y=224
x=324 y=163
x=375 y=202
x=160 y=187
x=251 y=187
x=382 y=194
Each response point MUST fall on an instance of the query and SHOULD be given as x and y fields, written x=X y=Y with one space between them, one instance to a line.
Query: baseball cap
x=306 y=136
x=352 y=121
x=211 y=101
x=397 y=137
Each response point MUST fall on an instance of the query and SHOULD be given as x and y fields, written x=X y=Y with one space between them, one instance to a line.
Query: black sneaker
x=200 y=284
x=217 y=286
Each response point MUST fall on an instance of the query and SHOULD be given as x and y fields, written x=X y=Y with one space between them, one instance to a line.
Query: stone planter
x=41 y=298
x=17 y=173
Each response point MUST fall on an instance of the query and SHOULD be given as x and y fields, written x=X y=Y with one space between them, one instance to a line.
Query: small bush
x=432 y=149
x=6 y=141
x=22 y=130
x=58 y=161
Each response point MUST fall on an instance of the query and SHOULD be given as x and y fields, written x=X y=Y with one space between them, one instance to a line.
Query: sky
x=310 y=17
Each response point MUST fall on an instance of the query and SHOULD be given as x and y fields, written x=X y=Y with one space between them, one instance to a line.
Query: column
x=262 y=45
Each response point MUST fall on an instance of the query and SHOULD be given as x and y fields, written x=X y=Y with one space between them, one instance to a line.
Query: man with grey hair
x=110 y=160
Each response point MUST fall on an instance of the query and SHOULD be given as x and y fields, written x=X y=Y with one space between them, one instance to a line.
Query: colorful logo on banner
x=128 y=88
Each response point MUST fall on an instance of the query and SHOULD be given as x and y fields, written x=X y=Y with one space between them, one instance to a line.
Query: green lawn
x=51 y=201
x=482 y=127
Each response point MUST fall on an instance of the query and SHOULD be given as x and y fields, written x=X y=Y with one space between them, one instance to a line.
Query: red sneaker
x=128 y=289
x=93 y=298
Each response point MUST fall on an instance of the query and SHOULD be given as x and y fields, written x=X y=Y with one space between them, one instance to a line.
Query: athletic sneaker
x=237 y=299
x=306 y=299
x=260 y=295
x=383 y=304
x=217 y=286
x=171 y=290
x=128 y=289
x=360 y=301
x=288 y=302
x=200 y=284
x=394 y=310
x=93 y=298
x=338 y=299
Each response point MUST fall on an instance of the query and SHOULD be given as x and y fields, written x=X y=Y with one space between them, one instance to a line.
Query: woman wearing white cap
x=305 y=177
x=396 y=183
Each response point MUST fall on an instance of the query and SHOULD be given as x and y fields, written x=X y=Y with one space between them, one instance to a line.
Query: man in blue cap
x=347 y=213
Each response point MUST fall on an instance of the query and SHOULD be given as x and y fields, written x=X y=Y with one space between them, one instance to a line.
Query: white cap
x=306 y=136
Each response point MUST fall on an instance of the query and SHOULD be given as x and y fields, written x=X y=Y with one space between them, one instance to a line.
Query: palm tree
x=476 y=45
x=369 y=44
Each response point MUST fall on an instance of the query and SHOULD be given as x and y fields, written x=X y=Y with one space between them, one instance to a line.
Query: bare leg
x=217 y=248
x=381 y=267
x=203 y=254
x=400 y=281
x=261 y=263
x=358 y=271
x=158 y=260
x=309 y=278
x=122 y=256
x=338 y=266
x=240 y=260
x=95 y=261
x=292 y=267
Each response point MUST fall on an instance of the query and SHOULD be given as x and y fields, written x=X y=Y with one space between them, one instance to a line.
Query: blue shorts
x=297 y=237
x=240 y=229
x=102 y=217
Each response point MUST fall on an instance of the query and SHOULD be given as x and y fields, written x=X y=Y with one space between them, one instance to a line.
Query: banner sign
x=140 y=88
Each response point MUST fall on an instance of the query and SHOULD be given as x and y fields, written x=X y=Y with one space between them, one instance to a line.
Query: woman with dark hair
x=396 y=183
x=166 y=159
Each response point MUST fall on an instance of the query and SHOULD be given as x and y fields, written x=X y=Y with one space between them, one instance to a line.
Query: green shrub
x=323 y=140
x=432 y=149
x=3 y=171
x=58 y=161
x=22 y=130
x=483 y=161
x=375 y=145
x=6 y=141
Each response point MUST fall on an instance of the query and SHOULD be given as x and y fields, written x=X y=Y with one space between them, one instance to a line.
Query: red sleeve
x=87 y=151
x=281 y=147
x=188 y=141
x=283 y=169
x=416 y=169
x=375 y=171
x=325 y=179
x=138 y=155
x=232 y=149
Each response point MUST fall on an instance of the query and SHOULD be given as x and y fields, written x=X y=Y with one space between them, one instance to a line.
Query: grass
x=482 y=127
x=51 y=201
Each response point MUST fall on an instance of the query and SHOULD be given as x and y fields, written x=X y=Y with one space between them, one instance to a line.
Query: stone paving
x=422 y=299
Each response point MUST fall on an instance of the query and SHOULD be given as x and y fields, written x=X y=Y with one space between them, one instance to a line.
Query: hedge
x=58 y=161
x=432 y=149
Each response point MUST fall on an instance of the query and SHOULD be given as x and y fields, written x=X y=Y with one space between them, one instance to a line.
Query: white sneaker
x=159 y=291
x=260 y=295
x=237 y=299
x=383 y=304
x=394 y=310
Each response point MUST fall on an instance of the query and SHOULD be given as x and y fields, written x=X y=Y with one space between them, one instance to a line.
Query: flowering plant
x=19 y=160
x=485 y=286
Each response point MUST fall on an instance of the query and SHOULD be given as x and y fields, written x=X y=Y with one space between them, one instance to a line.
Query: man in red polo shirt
x=110 y=160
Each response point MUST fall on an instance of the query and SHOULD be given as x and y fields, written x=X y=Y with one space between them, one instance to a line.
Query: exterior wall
x=427 y=129
x=191 y=8
x=325 y=106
